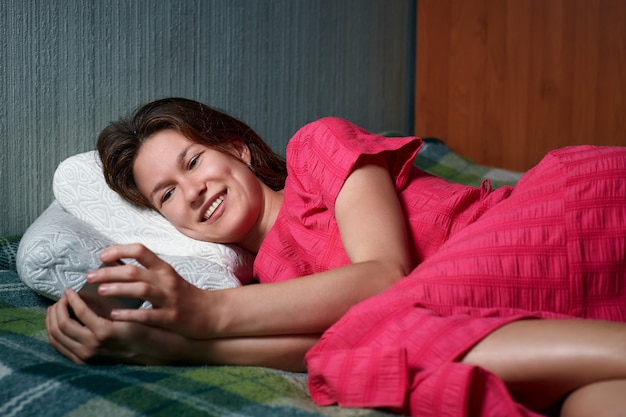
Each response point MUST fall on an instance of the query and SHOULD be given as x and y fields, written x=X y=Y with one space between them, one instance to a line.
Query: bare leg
x=599 y=399
x=542 y=361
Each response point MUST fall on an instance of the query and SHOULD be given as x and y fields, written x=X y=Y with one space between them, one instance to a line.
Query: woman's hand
x=177 y=305
x=90 y=337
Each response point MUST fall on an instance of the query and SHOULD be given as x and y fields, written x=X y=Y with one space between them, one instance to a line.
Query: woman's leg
x=542 y=361
x=599 y=399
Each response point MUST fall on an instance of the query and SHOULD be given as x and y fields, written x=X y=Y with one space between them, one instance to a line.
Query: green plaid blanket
x=37 y=381
x=436 y=158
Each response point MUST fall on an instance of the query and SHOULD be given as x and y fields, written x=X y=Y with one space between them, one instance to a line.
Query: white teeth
x=213 y=207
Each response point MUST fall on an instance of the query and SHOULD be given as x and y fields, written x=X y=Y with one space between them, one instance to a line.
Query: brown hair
x=119 y=143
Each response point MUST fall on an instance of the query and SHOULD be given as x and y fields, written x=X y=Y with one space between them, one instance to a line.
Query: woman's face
x=206 y=194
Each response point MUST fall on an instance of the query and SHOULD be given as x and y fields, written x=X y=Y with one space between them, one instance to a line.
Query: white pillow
x=58 y=249
x=80 y=188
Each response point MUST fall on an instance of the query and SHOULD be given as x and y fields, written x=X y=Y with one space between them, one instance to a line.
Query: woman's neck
x=273 y=201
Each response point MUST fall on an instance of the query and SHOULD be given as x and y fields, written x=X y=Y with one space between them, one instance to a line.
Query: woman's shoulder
x=317 y=140
x=334 y=135
x=327 y=149
x=328 y=123
x=337 y=137
x=324 y=129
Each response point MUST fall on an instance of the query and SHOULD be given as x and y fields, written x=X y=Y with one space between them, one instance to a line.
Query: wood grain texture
x=505 y=81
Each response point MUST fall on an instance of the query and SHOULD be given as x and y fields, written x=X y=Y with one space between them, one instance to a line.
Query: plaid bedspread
x=37 y=381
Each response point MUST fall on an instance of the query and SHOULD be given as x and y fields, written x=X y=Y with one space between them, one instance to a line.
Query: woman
x=467 y=272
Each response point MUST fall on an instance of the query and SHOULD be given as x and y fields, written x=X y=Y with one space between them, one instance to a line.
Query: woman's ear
x=242 y=151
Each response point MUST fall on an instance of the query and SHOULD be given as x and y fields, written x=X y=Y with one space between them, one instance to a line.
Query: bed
x=36 y=380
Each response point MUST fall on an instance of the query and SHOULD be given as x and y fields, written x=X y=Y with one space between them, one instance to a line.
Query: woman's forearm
x=307 y=305
x=279 y=352
x=300 y=306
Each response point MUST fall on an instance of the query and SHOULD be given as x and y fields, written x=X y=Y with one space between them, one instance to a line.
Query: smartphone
x=102 y=305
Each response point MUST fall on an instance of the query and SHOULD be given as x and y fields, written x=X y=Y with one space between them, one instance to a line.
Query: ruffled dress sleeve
x=305 y=238
x=322 y=155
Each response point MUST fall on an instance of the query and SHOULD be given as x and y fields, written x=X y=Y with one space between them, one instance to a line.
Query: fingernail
x=91 y=275
x=103 y=289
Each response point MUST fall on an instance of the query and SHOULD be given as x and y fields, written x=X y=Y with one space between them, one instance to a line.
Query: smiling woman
x=119 y=142
x=411 y=285
x=205 y=193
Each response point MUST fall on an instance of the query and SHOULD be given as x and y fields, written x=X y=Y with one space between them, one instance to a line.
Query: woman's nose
x=193 y=190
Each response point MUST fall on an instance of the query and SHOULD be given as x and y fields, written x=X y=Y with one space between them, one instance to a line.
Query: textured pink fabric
x=305 y=238
x=552 y=247
x=320 y=156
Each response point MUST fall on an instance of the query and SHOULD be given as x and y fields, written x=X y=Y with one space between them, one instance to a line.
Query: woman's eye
x=193 y=162
x=166 y=196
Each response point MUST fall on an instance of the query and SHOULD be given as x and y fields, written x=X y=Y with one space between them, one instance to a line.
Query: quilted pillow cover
x=87 y=216
x=80 y=188
x=58 y=249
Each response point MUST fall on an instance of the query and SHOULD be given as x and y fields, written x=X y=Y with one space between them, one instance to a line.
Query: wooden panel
x=505 y=81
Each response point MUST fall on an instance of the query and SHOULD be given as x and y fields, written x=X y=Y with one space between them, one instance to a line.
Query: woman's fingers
x=86 y=316
x=175 y=302
x=155 y=316
x=67 y=335
x=136 y=251
x=57 y=339
x=149 y=282
x=91 y=336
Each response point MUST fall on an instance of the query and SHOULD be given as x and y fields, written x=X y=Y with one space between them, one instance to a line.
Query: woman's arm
x=373 y=232
x=93 y=337
x=372 y=227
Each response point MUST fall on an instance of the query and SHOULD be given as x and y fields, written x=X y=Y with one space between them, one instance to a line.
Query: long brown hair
x=119 y=143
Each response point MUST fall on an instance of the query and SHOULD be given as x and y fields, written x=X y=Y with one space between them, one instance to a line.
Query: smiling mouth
x=218 y=201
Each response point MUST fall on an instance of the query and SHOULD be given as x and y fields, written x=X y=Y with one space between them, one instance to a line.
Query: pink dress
x=554 y=246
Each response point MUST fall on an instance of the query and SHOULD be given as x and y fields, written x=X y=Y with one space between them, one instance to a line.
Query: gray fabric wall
x=69 y=67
